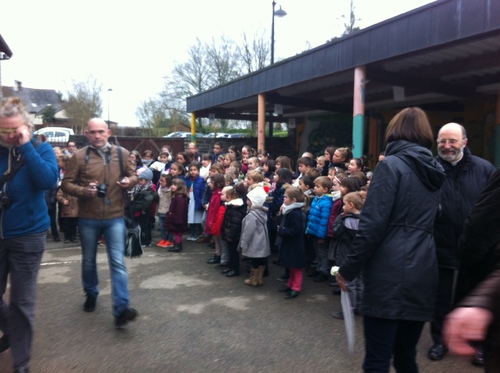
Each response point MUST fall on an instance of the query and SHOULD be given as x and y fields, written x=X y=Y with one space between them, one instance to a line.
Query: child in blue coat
x=317 y=225
x=195 y=185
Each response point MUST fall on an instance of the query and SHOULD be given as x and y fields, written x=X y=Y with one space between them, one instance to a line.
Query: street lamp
x=109 y=90
x=276 y=13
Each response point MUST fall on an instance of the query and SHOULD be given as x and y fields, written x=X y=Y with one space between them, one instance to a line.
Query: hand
x=341 y=282
x=91 y=190
x=65 y=202
x=465 y=325
x=124 y=183
x=24 y=135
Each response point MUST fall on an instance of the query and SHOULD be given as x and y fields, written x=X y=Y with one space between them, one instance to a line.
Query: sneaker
x=192 y=238
x=128 y=314
x=282 y=278
x=89 y=305
x=321 y=277
x=292 y=294
x=161 y=243
x=169 y=244
x=338 y=315
x=67 y=240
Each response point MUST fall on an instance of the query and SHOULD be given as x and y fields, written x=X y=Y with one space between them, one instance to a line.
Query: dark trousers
x=20 y=257
x=53 y=223
x=385 y=338
x=68 y=226
x=257 y=262
x=234 y=256
x=144 y=221
x=444 y=303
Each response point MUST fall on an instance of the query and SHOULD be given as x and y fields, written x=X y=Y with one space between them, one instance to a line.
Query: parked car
x=230 y=135
x=178 y=134
x=55 y=134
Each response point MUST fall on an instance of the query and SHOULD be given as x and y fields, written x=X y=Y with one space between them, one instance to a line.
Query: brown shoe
x=203 y=239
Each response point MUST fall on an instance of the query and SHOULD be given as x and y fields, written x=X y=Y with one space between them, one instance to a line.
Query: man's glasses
x=446 y=141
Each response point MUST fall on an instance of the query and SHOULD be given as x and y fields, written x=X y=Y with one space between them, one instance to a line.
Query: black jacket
x=479 y=244
x=231 y=226
x=291 y=239
x=344 y=231
x=464 y=182
x=394 y=246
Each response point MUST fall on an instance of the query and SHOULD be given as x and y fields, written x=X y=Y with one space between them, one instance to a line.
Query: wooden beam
x=426 y=85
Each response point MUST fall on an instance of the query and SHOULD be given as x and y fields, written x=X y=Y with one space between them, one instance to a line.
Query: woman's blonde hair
x=13 y=107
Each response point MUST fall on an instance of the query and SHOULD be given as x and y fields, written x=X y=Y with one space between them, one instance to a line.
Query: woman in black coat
x=394 y=247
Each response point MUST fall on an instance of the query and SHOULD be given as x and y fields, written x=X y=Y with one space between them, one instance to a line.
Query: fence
x=275 y=146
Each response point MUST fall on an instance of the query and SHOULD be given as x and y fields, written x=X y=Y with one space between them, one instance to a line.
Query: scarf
x=295 y=205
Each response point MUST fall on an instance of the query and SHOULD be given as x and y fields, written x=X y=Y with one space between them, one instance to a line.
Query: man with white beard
x=466 y=177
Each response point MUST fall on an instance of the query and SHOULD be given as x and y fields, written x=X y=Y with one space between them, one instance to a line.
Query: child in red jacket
x=217 y=182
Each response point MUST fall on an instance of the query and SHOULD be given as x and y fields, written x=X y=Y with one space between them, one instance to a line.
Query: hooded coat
x=394 y=246
x=291 y=237
x=254 y=240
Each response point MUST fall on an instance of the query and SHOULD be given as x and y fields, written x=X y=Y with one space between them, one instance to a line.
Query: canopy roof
x=437 y=56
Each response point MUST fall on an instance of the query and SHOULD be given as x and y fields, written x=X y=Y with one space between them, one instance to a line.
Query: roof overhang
x=439 y=55
x=5 y=52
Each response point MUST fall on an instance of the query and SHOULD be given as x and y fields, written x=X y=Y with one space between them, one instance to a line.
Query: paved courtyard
x=192 y=319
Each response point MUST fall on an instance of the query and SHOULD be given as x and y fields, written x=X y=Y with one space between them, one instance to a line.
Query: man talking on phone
x=98 y=174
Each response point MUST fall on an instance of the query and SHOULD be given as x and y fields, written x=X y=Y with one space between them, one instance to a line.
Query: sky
x=129 y=47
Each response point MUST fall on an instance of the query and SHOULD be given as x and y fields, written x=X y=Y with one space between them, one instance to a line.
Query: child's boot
x=252 y=280
x=177 y=248
x=259 y=277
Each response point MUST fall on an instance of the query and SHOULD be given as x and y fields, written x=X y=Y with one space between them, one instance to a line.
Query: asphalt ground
x=192 y=319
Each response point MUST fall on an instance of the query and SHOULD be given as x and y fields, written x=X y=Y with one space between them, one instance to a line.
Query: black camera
x=5 y=201
x=101 y=190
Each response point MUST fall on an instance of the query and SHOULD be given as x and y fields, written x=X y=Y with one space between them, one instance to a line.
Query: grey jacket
x=254 y=240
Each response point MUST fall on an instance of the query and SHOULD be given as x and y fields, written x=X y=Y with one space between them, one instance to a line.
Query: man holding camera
x=95 y=175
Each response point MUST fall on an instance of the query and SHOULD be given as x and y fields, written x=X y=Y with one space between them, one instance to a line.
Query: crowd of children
x=247 y=206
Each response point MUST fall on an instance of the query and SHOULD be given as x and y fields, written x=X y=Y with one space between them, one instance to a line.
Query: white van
x=55 y=134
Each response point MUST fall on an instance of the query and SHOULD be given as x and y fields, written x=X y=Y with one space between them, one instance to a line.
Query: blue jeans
x=386 y=339
x=114 y=232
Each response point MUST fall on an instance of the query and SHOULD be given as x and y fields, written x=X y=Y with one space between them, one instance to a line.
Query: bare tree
x=209 y=65
x=350 y=26
x=155 y=116
x=222 y=61
x=254 y=53
x=83 y=103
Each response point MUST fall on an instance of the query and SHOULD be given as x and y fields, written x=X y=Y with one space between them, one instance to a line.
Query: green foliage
x=48 y=114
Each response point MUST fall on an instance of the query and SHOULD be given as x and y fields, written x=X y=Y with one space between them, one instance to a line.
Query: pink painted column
x=358 y=121
x=261 y=122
